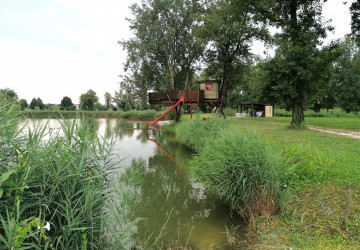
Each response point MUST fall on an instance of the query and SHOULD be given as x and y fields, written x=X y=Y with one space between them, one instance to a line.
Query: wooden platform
x=171 y=97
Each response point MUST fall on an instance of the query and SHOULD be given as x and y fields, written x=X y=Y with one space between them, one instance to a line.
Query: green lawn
x=324 y=122
x=320 y=167
x=312 y=216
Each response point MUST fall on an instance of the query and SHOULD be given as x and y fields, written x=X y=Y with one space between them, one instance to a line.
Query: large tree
x=23 y=104
x=8 y=95
x=37 y=102
x=347 y=76
x=230 y=27
x=355 y=19
x=163 y=54
x=297 y=73
x=66 y=104
x=107 y=97
x=88 y=100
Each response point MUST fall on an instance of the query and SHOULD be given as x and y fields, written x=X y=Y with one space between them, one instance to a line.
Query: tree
x=8 y=95
x=66 y=104
x=230 y=26
x=33 y=103
x=88 y=100
x=107 y=97
x=98 y=106
x=40 y=103
x=163 y=54
x=355 y=20
x=347 y=76
x=297 y=73
x=23 y=104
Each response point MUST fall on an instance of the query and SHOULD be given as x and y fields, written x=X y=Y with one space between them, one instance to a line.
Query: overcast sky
x=56 y=48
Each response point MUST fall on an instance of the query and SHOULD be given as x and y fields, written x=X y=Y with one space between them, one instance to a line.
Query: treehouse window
x=208 y=86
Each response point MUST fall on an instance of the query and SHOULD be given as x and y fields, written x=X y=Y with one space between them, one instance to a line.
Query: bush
x=193 y=133
x=241 y=170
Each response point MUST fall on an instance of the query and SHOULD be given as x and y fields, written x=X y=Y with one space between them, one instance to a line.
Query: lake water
x=172 y=206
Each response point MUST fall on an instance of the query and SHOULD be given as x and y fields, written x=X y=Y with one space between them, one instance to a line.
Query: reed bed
x=56 y=191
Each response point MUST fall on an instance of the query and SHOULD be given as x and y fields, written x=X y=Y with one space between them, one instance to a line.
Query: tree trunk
x=298 y=120
x=187 y=80
x=178 y=112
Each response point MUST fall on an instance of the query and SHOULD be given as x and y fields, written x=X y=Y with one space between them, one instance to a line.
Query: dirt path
x=351 y=134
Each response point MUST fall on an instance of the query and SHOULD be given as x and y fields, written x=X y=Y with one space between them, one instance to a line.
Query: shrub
x=193 y=133
x=241 y=170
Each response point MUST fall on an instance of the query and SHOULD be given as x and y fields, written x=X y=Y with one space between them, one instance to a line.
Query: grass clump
x=193 y=133
x=242 y=170
x=304 y=166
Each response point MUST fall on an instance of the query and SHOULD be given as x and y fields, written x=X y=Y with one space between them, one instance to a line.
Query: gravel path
x=351 y=134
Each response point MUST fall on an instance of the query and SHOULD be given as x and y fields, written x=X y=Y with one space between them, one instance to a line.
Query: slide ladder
x=167 y=111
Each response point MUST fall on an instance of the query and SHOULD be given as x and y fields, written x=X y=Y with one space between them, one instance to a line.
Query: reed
x=57 y=181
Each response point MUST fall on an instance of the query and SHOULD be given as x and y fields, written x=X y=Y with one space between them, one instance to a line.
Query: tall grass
x=240 y=169
x=193 y=133
x=61 y=181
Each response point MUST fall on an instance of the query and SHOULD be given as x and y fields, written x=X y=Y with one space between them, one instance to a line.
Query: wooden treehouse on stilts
x=208 y=92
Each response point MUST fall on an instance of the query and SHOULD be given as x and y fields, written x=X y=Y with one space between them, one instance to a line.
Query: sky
x=56 y=48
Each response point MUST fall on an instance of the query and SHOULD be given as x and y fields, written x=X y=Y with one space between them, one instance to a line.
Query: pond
x=172 y=206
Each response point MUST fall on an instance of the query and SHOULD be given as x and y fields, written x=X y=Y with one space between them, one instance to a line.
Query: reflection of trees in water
x=108 y=129
x=169 y=189
x=123 y=128
x=141 y=137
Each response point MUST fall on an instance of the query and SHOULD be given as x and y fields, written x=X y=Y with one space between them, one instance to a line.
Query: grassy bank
x=57 y=191
x=324 y=168
x=316 y=171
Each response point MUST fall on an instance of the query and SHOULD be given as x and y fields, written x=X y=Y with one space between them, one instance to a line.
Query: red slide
x=167 y=111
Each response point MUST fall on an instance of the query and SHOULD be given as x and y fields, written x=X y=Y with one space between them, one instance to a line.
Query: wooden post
x=191 y=110
x=348 y=204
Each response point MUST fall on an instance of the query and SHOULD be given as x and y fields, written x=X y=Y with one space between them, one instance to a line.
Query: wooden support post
x=348 y=204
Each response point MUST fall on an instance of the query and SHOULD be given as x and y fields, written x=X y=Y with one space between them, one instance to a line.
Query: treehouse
x=208 y=92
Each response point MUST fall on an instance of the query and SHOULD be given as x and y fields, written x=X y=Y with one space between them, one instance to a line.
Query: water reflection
x=174 y=208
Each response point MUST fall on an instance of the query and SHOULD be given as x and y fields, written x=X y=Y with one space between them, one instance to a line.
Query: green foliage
x=194 y=133
x=304 y=166
x=8 y=95
x=163 y=54
x=230 y=27
x=98 y=106
x=66 y=104
x=240 y=169
x=299 y=71
x=36 y=103
x=347 y=76
x=355 y=20
x=127 y=106
x=107 y=97
x=23 y=104
x=88 y=100
x=59 y=182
